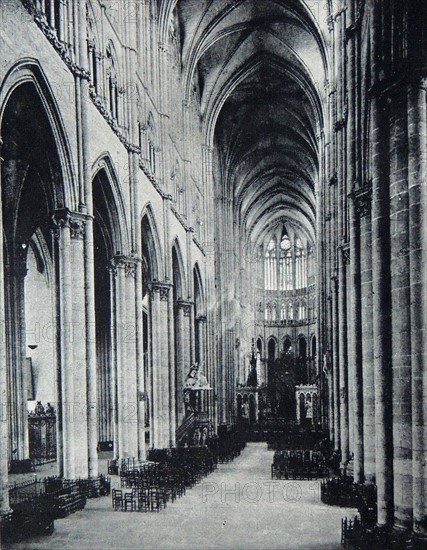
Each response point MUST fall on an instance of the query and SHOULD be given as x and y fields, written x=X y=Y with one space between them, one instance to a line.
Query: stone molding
x=185 y=306
x=127 y=263
x=74 y=221
x=162 y=289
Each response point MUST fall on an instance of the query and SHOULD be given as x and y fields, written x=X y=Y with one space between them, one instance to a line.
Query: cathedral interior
x=227 y=247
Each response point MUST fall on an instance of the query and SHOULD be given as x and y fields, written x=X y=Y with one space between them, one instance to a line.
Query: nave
x=213 y=217
x=237 y=506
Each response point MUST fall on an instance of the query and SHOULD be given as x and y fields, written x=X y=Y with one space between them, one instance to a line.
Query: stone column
x=201 y=322
x=81 y=466
x=114 y=358
x=362 y=206
x=124 y=269
x=354 y=327
x=417 y=177
x=401 y=320
x=4 y=432
x=70 y=229
x=343 y=356
x=210 y=291
x=381 y=278
x=183 y=357
x=19 y=329
x=355 y=343
x=66 y=382
x=381 y=321
x=161 y=367
x=171 y=368
x=336 y=366
x=87 y=313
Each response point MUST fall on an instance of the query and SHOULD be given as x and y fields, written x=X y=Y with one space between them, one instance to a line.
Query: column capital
x=162 y=289
x=67 y=219
x=201 y=319
x=126 y=263
x=362 y=197
x=186 y=306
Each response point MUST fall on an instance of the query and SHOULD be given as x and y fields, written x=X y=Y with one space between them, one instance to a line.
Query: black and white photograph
x=213 y=274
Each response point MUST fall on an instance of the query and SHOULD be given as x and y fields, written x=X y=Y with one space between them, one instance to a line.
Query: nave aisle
x=236 y=507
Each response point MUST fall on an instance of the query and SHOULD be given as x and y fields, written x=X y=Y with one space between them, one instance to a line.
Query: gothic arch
x=104 y=173
x=36 y=183
x=199 y=296
x=151 y=245
x=29 y=71
x=179 y=273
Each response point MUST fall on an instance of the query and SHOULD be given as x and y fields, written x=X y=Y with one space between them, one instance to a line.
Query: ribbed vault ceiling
x=261 y=70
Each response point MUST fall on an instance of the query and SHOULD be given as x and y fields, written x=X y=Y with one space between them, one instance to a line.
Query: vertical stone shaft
x=417 y=178
x=335 y=363
x=367 y=337
x=120 y=323
x=401 y=320
x=355 y=351
x=381 y=321
x=381 y=279
x=88 y=328
x=114 y=361
x=160 y=361
x=80 y=404
x=65 y=329
x=4 y=435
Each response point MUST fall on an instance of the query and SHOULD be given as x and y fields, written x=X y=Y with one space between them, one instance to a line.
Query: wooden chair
x=117 y=498
x=128 y=502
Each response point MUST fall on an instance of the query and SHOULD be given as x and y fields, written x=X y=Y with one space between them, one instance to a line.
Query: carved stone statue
x=39 y=410
x=196 y=380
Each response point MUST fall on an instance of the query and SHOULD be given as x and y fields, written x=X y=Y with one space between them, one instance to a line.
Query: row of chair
x=355 y=535
x=171 y=472
x=153 y=484
x=36 y=504
x=139 y=499
x=298 y=464
x=342 y=491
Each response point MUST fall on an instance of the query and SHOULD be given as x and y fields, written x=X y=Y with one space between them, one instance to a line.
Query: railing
x=186 y=427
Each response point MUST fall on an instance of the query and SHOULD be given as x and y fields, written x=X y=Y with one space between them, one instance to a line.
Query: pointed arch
x=28 y=70
x=272 y=348
x=179 y=273
x=199 y=293
x=112 y=213
x=151 y=246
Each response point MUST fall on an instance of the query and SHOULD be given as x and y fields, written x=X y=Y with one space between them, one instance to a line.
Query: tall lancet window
x=271 y=266
x=283 y=311
x=300 y=265
x=285 y=262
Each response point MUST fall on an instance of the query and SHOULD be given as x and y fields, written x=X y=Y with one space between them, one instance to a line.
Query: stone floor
x=236 y=507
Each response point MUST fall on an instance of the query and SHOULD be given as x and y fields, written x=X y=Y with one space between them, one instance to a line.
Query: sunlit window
x=271 y=266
